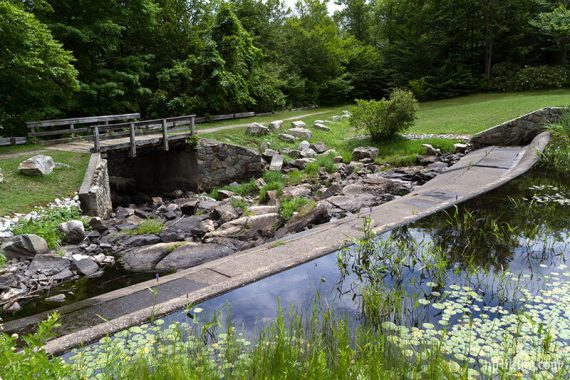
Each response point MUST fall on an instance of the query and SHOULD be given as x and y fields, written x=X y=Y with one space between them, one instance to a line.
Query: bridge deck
x=84 y=146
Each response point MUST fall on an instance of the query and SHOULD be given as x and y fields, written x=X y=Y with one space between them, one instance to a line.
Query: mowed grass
x=475 y=113
x=20 y=193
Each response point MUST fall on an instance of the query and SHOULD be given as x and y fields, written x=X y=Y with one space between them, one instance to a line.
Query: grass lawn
x=14 y=149
x=474 y=113
x=20 y=193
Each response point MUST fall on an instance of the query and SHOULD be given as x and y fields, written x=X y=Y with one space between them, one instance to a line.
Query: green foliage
x=2 y=260
x=276 y=186
x=292 y=205
x=192 y=141
x=322 y=161
x=32 y=362
x=243 y=189
x=555 y=24
x=383 y=119
x=508 y=77
x=149 y=226
x=239 y=204
x=47 y=224
x=36 y=73
x=556 y=155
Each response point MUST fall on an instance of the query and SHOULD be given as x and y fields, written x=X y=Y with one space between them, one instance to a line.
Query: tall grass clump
x=243 y=189
x=556 y=155
x=149 y=226
x=290 y=206
x=46 y=226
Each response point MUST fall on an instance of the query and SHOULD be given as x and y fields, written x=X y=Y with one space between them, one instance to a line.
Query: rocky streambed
x=183 y=229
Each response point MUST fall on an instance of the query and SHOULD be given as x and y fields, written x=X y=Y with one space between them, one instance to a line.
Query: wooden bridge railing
x=144 y=126
x=44 y=128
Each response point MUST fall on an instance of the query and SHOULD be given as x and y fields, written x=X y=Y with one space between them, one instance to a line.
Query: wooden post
x=133 y=152
x=13 y=141
x=96 y=140
x=192 y=125
x=72 y=127
x=164 y=134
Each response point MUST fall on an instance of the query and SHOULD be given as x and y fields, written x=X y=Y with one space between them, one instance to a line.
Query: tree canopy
x=168 y=57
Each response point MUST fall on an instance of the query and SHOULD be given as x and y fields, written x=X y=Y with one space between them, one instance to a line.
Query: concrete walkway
x=85 y=321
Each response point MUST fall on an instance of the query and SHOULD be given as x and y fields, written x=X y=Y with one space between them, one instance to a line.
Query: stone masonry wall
x=95 y=194
x=220 y=163
x=519 y=131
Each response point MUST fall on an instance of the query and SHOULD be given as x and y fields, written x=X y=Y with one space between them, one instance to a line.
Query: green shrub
x=47 y=224
x=385 y=118
x=509 y=77
x=289 y=206
x=295 y=177
x=2 y=260
x=149 y=226
x=32 y=362
x=273 y=176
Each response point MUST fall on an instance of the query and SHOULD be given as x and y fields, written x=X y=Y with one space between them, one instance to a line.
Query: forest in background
x=171 y=57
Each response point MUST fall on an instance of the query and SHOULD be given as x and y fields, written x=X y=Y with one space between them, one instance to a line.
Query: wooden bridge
x=96 y=134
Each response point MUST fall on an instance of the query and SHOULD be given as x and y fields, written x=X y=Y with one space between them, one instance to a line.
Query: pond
x=478 y=279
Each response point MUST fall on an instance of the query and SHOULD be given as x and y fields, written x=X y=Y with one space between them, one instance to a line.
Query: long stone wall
x=95 y=194
x=519 y=131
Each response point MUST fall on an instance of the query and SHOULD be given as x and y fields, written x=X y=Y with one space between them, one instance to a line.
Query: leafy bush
x=509 y=77
x=149 y=226
x=385 y=118
x=47 y=224
x=289 y=206
x=2 y=260
x=32 y=362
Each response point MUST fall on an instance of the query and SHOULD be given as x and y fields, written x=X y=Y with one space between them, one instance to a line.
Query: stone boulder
x=250 y=227
x=302 y=190
x=308 y=153
x=287 y=138
x=431 y=151
x=261 y=210
x=353 y=203
x=192 y=254
x=305 y=218
x=275 y=125
x=301 y=133
x=276 y=163
x=140 y=240
x=257 y=129
x=145 y=259
x=458 y=148
x=73 y=231
x=321 y=127
x=37 y=166
x=268 y=154
x=301 y=162
x=180 y=229
x=304 y=145
x=364 y=152
x=319 y=147
x=24 y=246
x=375 y=185
x=49 y=264
x=86 y=266
x=225 y=213
x=298 y=124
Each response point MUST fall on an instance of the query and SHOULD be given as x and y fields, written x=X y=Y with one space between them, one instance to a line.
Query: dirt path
x=28 y=153
x=225 y=127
